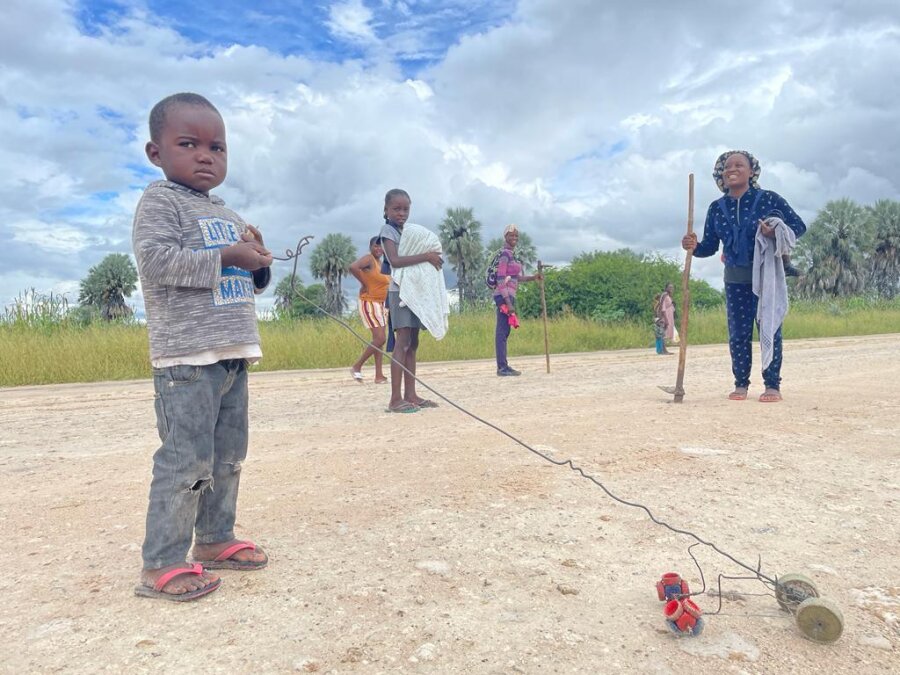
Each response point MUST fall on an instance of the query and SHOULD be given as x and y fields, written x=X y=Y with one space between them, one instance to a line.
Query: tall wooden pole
x=685 y=298
x=544 y=314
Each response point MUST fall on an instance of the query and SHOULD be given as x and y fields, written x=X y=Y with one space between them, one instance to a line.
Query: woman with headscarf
x=509 y=274
x=734 y=220
x=667 y=310
x=659 y=326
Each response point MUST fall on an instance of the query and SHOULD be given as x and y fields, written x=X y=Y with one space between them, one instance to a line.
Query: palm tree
x=288 y=302
x=525 y=250
x=460 y=236
x=885 y=261
x=834 y=250
x=330 y=261
x=108 y=284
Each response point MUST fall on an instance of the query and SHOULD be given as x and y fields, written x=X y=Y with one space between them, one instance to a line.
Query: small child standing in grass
x=659 y=325
x=200 y=265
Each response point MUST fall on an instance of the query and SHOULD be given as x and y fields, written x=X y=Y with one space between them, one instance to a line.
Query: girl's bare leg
x=370 y=351
x=401 y=348
x=378 y=340
x=409 y=381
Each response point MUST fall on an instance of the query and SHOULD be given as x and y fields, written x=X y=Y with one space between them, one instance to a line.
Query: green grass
x=71 y=353
x=46 y=352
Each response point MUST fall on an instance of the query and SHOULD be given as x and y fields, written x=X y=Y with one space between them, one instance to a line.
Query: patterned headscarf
x=719 y=169
x=510 y=228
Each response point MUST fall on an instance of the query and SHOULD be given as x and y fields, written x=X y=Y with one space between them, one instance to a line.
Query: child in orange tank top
x=372 y=294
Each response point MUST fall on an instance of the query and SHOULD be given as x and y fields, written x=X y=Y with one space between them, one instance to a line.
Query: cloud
x=351 y=20
x=580 y=120
x=53 y=237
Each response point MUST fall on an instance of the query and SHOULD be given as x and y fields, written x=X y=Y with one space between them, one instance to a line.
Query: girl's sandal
x=770 y=397
x=739 y=394
x=403 y=407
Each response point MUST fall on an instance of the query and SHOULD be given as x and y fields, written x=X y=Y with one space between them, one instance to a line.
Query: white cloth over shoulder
x=769 y=284
x=422 y=286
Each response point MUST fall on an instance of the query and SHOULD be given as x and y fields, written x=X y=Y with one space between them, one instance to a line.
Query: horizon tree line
x=849 y=249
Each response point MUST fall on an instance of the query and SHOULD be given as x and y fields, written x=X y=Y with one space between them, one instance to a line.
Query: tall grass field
x=39 y=351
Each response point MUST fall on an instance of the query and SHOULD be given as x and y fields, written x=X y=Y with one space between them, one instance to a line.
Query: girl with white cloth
x=404 y=320
x=422 y=286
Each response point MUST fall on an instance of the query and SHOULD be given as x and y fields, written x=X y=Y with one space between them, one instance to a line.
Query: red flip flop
x=156 y=591
x=223 y=561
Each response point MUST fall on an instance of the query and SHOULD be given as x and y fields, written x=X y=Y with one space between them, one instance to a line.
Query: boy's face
x=191 y=148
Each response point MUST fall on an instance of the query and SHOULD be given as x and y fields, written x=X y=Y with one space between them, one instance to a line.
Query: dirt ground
x=431 y=543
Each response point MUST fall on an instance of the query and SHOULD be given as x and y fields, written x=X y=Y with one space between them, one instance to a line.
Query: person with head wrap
x=667 y=312
x=509 y=274
x=733 y=221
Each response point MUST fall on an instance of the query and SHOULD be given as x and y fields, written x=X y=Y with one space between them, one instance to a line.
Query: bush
x=605 y=314
x=612 y=286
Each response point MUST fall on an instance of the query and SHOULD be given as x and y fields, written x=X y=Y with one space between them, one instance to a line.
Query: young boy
x=200 y=266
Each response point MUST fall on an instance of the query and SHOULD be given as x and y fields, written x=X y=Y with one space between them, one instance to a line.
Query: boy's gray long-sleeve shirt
x=192 y=303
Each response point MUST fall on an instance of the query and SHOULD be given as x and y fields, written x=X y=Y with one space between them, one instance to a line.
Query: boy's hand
x=252 y=234
x=248 y=255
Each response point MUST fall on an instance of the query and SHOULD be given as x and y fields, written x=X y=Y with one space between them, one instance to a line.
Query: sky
x=579 y=120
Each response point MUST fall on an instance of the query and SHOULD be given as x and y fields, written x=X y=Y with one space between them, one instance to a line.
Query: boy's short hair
x=374 y=240
x=161 y=110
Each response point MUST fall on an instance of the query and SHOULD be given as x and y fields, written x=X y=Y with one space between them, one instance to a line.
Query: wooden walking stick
x=678 y=389
x=685 y=298
x=541 y=268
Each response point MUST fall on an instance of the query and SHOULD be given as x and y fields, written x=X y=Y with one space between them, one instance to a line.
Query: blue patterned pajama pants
x=740 y=306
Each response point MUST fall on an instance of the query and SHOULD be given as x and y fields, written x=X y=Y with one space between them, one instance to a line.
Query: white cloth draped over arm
x=422 y=286
x=770 y=285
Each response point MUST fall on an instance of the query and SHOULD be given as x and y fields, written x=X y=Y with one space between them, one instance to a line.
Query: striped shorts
x=373 y=314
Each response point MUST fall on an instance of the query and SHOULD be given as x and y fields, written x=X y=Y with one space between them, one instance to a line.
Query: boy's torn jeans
x=201 y=416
